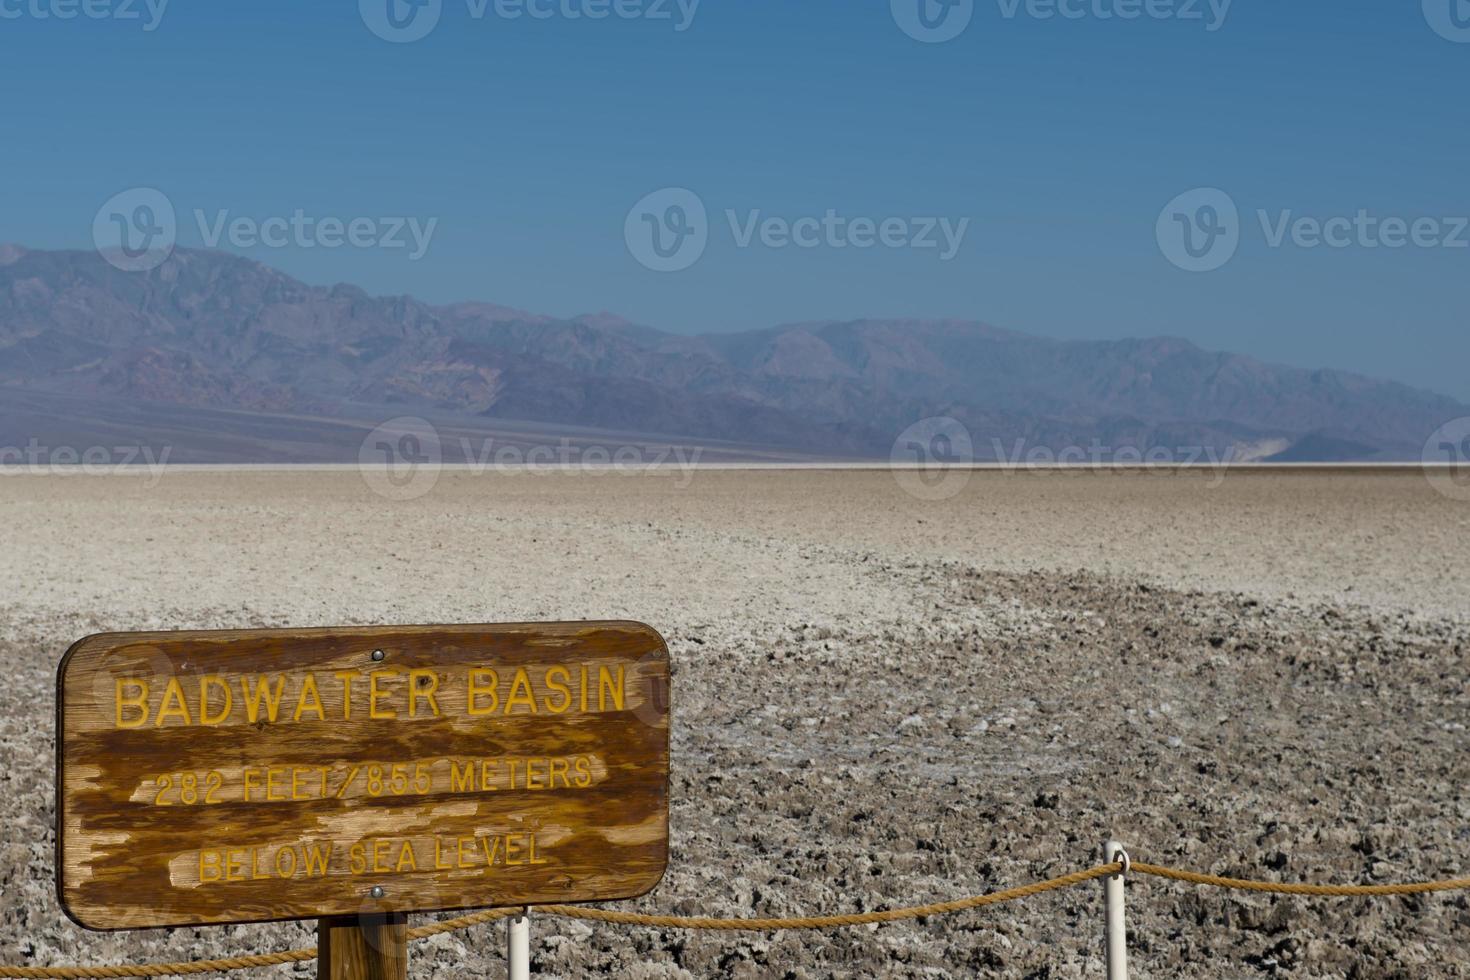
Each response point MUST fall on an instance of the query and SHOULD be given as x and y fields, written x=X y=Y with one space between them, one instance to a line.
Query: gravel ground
x=878 y=700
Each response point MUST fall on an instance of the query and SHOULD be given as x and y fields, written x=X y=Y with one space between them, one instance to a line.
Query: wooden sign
x=218 y=777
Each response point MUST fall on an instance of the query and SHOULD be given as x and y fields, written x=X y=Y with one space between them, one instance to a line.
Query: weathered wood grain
x=469 y=766
x=362 y=948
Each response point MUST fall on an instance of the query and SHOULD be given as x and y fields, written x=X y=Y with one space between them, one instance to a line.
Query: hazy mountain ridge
x=214 y=330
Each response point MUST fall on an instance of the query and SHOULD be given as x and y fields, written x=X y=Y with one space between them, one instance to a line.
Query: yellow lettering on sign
x=262 y=693
x=376 y=694
x=483 y=682
x=464 y=862
x=380 y=856
x=317 y=857
x=384 y=856
x=520 y=692
x=406 y=861
x=160 y=702
x=207 y=682
x=173 y=705
x=138 y=700
x=606 y=686
x=439 y=863
x=234 y=865
x=421 y=686
x=346 y=677
x=210 y=866
x=560 y=687
x=357 y=858
x=308 y=687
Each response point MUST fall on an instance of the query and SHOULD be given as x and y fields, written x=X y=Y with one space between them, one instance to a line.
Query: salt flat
x=879 y=699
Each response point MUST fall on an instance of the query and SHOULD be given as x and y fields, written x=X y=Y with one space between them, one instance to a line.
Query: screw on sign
x=358 y=775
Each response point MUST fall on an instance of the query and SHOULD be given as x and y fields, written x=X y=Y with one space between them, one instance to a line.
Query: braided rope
x=463 y=922
x=564 y=911
x=829 y=921
x=755 y=925
x=157 y=969
x=1241 y=884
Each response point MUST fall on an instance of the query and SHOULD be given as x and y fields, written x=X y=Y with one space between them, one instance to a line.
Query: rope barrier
x=749 y=924
x=157 y=969
x=829 y=921
x=1336 y=891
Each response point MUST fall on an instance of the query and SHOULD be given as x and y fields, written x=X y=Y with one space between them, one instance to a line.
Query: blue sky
x=1059 y=140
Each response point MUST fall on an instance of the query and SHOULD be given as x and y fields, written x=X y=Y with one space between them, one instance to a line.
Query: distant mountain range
x=210 y=344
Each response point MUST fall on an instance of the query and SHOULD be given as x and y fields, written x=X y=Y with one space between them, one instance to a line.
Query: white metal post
x=518 y=947
x=1117 y=926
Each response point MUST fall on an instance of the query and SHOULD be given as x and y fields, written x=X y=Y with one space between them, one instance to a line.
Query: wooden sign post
x=372 y=948
x=358 y=775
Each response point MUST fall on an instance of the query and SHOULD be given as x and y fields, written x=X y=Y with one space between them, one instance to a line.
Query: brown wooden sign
x=218 y=777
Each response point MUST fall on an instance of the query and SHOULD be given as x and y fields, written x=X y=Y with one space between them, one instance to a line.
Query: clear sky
x=529 y=139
